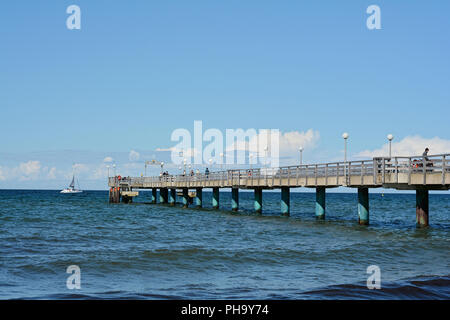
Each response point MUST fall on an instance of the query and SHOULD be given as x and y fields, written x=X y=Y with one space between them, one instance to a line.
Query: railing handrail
x=373 y=167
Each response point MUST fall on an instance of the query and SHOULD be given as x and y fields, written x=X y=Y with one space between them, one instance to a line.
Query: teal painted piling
x=235 y=199
x=320 y=203
x=258 y=200
x=422 y=207
x=285 y=201
x=172 y=197
x=185 y=197
x=215 y=198
x=163 y=195
x=363 y=206
x=199 y=197
x=154 y=193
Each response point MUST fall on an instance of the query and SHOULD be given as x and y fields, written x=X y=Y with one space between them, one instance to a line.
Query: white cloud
x=51 y=174
x=108 y=160
x=27 y=170
x=134 y=155
x=289 y=142
x=409 y=146
x=30 y=168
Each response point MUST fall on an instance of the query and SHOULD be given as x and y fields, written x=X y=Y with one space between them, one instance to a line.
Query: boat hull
x=68 y=191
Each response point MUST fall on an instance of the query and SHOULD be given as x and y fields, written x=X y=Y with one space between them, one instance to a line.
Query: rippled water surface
x=148 y=251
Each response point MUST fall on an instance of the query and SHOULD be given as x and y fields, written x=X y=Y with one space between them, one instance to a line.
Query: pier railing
x=433 y=169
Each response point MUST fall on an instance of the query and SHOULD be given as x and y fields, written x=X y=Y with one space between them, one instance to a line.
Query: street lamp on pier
x=301 y=155
x=390 y=138
x=345 y=136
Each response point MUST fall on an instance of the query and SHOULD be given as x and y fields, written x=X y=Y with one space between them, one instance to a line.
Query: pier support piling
x=154 y=194
x=215 y=198
x=172 y=197
x=363 y=206
x=114 y=195
x=320 y=203
x=235 y=199
x=285 y=201
x=422 y=208
x=258 y=200
x=199 y=197
x=127 y=199
x=185 y=197
x=163 y=195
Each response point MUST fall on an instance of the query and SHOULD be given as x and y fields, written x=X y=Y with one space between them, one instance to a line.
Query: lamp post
x=301 y=155
x=114 y=166
x=184 y=162
x=345 y=136
x=210 y=163
x=250 y=160
x=108 y=170
x=221 y=163
x=390 y=138
x=162 y=166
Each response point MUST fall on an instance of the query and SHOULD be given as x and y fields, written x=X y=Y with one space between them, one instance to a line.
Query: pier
x=401 y=173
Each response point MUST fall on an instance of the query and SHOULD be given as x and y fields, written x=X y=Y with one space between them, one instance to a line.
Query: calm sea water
x=143 y=251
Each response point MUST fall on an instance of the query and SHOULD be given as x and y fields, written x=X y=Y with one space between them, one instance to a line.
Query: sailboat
x=71 y=188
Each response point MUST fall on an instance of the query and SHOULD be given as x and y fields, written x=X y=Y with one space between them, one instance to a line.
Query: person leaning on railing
x=425 y=154
x=428 y=162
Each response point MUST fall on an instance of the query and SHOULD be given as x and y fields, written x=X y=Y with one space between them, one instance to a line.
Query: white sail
x=71 y=188
x=72 y=184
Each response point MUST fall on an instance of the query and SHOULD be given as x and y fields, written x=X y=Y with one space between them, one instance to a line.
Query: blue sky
x=137 y=70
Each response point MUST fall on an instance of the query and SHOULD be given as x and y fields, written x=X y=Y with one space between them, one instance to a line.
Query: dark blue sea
x=145 y=251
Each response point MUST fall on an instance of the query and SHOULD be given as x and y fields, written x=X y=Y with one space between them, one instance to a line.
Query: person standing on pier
x=425 y=154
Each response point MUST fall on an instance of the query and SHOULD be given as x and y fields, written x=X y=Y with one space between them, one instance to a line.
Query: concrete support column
x=172 y=197
x=422 y=208
x=154 y=190
x=163 y=195
x=363 y=206
x=235 y=199
x=185 y=197
x=320 y=203
x=258 y=200
x=285 y=201
x=215 y=198
x=199 y=197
